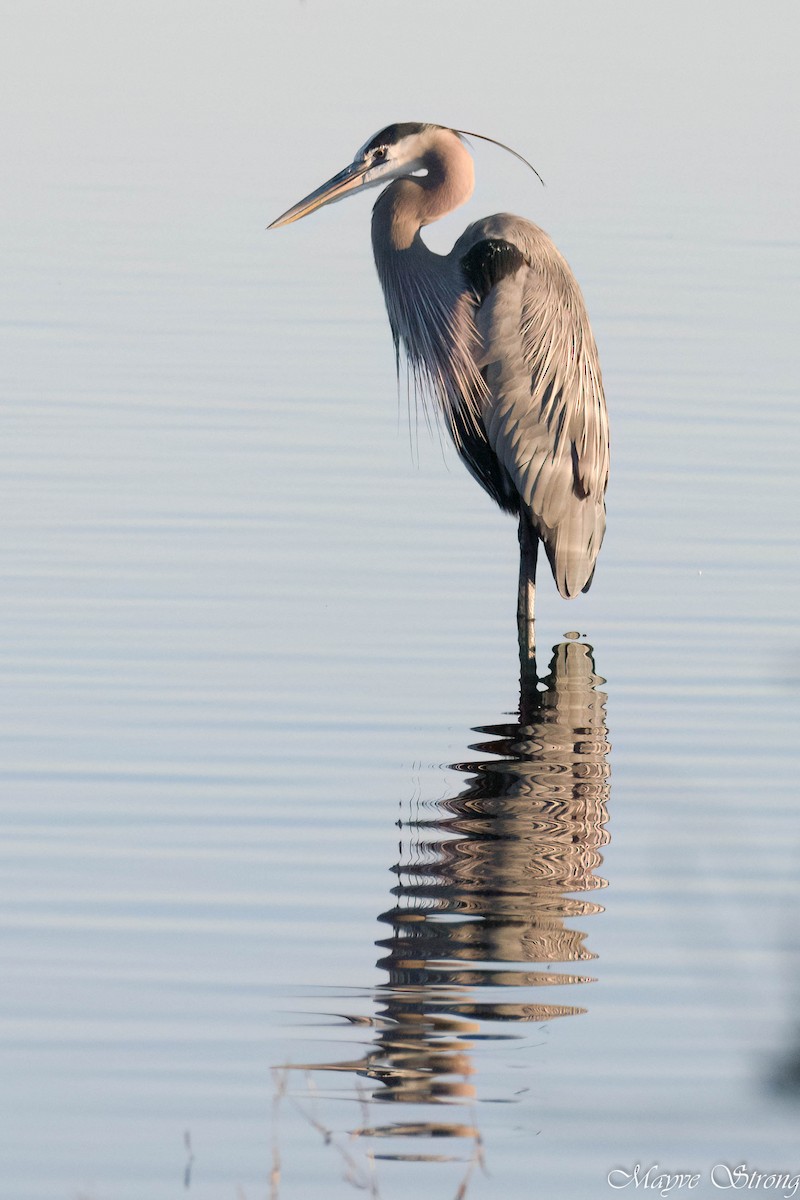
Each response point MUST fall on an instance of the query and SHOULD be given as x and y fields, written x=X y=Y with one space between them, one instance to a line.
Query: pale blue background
x=246 y=619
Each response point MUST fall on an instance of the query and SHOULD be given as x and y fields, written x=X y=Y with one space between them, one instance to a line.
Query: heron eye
x=379 y=153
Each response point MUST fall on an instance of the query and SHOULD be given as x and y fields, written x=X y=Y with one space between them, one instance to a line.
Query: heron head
x=395 y=151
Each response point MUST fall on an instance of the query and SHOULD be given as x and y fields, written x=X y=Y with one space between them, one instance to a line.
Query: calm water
x=300 y=895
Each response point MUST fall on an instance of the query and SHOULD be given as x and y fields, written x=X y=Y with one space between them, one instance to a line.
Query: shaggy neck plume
x=428 y=310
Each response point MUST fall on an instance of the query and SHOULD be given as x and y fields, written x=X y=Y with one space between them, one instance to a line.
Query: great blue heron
x=497 y=333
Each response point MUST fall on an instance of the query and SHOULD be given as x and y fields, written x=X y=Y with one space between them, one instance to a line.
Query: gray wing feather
x=545 y=414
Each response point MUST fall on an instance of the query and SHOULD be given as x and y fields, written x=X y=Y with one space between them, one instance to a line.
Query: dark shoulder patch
x=489 y=261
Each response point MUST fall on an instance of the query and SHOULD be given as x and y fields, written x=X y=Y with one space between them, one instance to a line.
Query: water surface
x=298 y=892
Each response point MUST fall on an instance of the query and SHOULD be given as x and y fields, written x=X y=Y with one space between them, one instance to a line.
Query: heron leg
x=528 y=549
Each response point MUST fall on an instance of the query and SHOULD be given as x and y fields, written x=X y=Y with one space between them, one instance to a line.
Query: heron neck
x=417 y=200
x=429 y=307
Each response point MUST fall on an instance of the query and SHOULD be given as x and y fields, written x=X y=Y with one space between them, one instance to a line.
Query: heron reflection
x=489 y=883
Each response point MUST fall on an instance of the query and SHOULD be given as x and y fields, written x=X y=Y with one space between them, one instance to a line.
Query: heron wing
x=544 y=413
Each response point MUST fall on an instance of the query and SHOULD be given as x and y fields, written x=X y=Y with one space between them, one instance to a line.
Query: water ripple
x=485 y=895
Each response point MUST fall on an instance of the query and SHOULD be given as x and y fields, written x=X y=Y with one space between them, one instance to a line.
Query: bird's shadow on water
x=480 y=928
